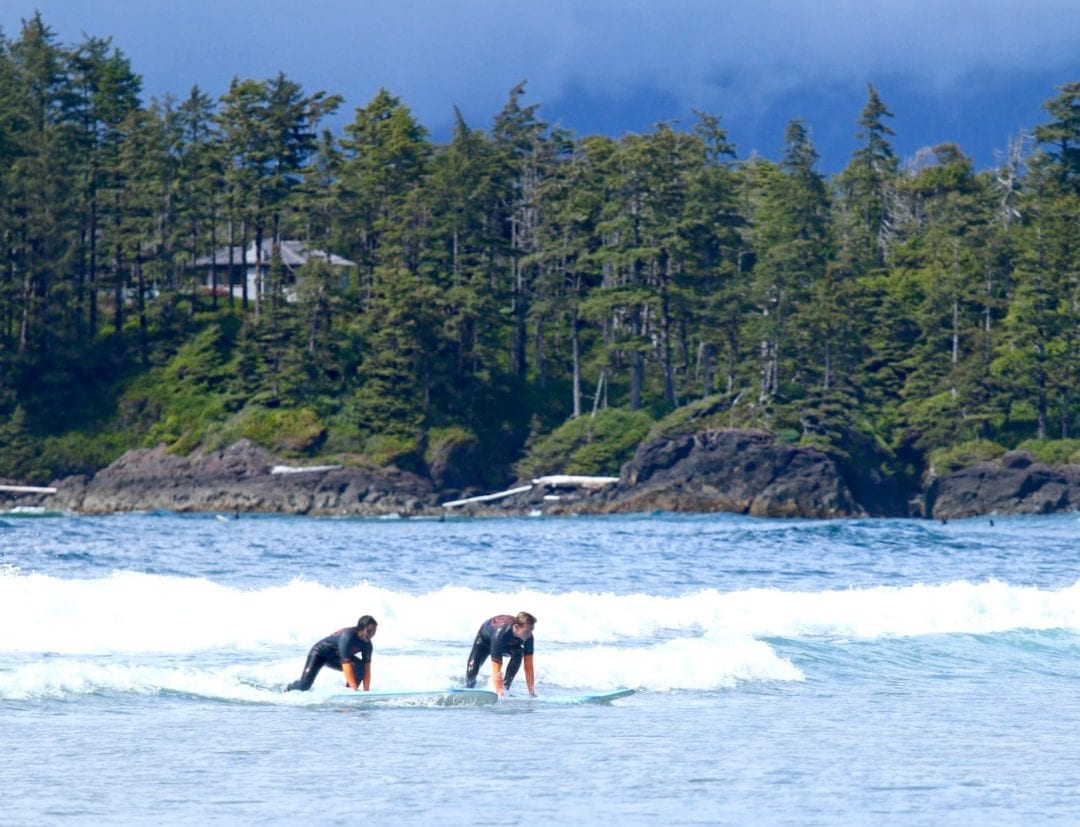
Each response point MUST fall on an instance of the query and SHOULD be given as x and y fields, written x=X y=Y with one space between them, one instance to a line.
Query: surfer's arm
x=367 y=675
x=530 y=676
x=350 y=674
x=496 y=676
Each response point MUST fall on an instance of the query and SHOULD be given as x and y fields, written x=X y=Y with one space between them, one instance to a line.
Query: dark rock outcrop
x=457 y=466
x=240 y=479
x=1013 y=484
x=739 y=471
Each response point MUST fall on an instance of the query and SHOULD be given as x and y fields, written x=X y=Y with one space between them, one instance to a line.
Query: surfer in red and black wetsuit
x=500 y=636
x=346 y=650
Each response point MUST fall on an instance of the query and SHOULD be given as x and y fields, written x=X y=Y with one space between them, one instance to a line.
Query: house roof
x=294 y=253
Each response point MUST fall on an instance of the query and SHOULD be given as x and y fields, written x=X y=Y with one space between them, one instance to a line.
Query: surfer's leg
x=307 y=677
x=477 y=656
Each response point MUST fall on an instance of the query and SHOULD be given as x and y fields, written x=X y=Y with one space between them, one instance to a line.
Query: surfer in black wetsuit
x=346 y=650
x=500 y=636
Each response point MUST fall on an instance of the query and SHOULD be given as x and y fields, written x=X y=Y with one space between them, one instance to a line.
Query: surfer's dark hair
x=365 y=621
x=525 y=619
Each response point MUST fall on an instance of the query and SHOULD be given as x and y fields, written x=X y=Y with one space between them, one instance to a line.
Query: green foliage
x=284 y=431
x=1053 y=451
x=188 y=395
x=945 y=460
x=25 y=456
x=394 y=449
x=593 y=445
x=18 y=447
x=509 y=278
x=717 y=413
x=441 y=440
x=936 y=419
x=76 y=452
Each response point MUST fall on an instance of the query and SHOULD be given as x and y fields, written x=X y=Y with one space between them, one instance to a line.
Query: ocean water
x=787 y=671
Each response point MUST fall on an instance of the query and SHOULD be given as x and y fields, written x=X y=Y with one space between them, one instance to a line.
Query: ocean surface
x=787 y=671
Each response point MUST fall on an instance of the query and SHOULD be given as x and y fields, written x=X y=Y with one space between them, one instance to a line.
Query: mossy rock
x=590 y=445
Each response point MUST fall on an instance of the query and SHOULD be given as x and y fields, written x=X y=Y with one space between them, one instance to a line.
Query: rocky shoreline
x=737 y=471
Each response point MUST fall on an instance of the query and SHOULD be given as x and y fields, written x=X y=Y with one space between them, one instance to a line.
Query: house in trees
x=235 y=267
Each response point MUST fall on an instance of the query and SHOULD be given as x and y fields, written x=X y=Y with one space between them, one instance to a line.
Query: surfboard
x=419 y=697
x=586 y=698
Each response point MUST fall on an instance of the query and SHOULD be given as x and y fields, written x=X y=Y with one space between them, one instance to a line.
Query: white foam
x=148 y=633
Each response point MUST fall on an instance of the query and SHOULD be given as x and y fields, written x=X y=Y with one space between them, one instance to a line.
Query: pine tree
x=570 y=201
x=523 y=157
x=385 y=155
x=465 y=234
x=864 y=190
x=791 y=236
x=247 y=148
x=719 y=296
x=944 y=390
x=198 y=181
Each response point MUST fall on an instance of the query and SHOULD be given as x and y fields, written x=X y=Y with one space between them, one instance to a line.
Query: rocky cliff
x=241 y=478
x=739 y=471
x=1013 y=484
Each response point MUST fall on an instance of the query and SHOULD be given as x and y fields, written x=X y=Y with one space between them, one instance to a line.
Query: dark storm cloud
x=604 y=65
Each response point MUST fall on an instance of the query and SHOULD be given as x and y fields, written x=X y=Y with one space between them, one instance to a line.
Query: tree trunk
x=575 y=348
x=144 y=328
x=637 y=378
x=243 y=265
x=213 y=256
x=258 y=269
x=1040 y=384
x=705 y=368
x=538 y=353
x=118 y=292
x=599 y=391
x=24 y=320
x=665 y=343
x=232 y=263
x=93 y=296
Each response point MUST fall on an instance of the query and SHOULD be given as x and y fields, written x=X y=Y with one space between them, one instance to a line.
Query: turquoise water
x=787 y=672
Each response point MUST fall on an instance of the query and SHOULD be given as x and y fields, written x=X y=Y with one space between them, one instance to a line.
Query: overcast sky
x=974 y=72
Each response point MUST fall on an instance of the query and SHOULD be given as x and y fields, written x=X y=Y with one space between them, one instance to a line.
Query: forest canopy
x=197 y=270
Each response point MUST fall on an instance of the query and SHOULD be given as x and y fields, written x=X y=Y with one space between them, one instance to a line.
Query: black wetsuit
x=332 y=651
x=497 y=639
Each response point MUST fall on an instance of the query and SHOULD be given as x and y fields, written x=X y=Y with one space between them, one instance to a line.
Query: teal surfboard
x=418 y=697
x=585 y=698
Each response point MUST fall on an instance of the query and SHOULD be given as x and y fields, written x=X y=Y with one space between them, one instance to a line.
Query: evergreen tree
x=1059 y=139
x=246 y=144
x=464 y=231
x=142 y=166
x=198 y=182
x=718 y=303
x=385 y=155
x=42 y=206
x=944 y=390
x=322 y=290
x=292 y=123
x=570 y=202
x=523 y=158
x=18 y=447
x=864 y=190
x=791 y=236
